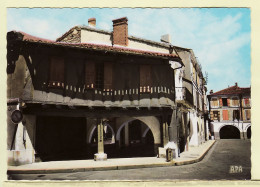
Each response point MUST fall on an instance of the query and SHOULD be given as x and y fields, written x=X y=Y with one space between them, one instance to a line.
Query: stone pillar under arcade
x=127 y=135
x=100 y=155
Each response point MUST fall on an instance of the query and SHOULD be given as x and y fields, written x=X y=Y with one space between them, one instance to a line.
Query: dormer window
x=56 y=78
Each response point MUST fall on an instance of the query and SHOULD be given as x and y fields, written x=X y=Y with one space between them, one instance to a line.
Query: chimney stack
x=211 y=92
x=166 y=38
x=92 y=22
x=235 y=83
x=120 y=31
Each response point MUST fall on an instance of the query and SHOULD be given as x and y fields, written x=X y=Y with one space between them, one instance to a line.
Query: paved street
x=227 y=159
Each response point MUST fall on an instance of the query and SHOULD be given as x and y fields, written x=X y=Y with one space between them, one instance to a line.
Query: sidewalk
x=195 y=154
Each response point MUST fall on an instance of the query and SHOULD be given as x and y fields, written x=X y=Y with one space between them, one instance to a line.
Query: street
x=228 y=159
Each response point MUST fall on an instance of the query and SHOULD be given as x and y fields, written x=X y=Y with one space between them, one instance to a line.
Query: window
x=108 y=76
x=225 y=114
x=235 y=101
x=246 y=101
x=145 y=78
x=224 y=102
x=248 y=114
x=215 y=115
x=56 y=78
x=214 y=102
x=99 y=76
x=236 y=115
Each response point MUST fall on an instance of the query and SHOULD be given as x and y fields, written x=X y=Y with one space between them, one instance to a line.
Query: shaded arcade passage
x=135 y=141
x=60 y=138
x=248 y=132
x=229 y=132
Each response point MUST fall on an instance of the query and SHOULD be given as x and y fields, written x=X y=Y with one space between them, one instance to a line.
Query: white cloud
x=216 y=41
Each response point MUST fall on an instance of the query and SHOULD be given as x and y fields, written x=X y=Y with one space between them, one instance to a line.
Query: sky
x=219 y=37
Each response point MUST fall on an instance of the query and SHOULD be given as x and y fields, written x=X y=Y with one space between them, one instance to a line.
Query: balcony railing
x=152 y=96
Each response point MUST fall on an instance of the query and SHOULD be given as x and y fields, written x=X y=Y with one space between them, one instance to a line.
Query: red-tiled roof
x=33 y=39
x=233 y=90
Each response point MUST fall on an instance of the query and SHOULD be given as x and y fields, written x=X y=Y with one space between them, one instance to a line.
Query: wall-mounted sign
x=16 y=116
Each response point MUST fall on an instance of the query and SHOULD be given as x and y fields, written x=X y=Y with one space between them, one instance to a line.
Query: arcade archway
x=229 y=132
x=136 y=140
x=248 y=132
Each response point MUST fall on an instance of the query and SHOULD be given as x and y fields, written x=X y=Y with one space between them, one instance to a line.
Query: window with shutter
x=248 y=114
x=216 y=115
x=56 y=78
x=236 y=115
x=214 y=102
x=108 y=76
x=225 y=114
x=145 y=78
x=99 y=76
x=246 y=101
x=90 y=75
x=235 y=101
x=224 y=102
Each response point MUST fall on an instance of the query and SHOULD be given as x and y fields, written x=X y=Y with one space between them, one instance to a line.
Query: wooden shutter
x=145 y=78
x=228 y=102
x=246 y=100
x=211 y=115
x=90 y=74
x=220 y=102
x=57 y=71
x=248 y=114
x=225 y=115
x=234 y=102
x=108 y=76
x=218 y=115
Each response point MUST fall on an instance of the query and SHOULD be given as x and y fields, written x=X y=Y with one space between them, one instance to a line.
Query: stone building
x=230 y=113
x=191 y=99
x=91 y=94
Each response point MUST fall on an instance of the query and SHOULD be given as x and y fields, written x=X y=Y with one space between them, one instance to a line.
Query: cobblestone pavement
x=227 y=159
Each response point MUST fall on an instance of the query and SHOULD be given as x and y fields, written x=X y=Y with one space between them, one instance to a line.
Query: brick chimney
x=235 y=83
x=92 y=22
x=211 y=92
x=120 y=31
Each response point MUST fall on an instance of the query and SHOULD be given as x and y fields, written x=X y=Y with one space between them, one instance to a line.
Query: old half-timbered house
x=89 y=94
x=230 y=113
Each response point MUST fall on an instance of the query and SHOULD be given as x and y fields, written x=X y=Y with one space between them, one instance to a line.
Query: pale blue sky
x=220 y=37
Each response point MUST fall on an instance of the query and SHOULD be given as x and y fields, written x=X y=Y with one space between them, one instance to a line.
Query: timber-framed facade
x=82 y=100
